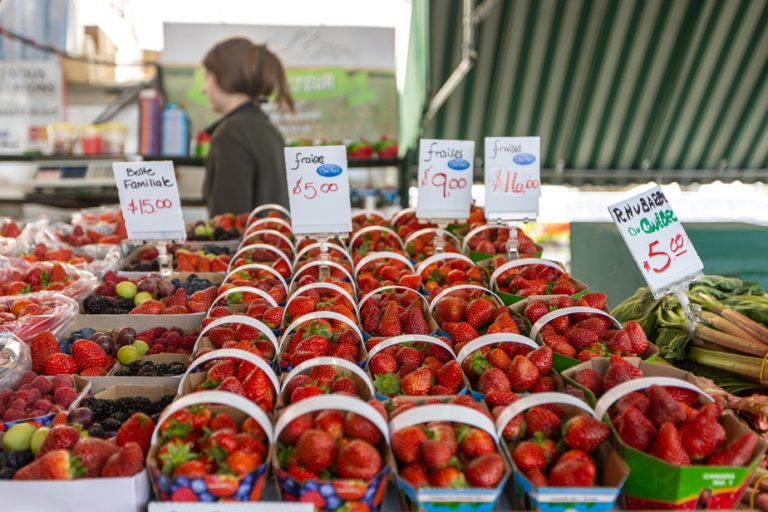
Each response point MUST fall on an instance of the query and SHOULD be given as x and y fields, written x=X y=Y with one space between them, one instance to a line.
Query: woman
x=245 y=166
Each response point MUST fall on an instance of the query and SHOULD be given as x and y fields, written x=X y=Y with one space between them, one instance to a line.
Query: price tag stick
x=325 y=271
x=512 y=243
x=440 y=242
x=163 y=259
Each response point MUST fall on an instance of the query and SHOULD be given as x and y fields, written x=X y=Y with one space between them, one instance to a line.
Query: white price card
x=658 y=243
x=149 y=199
x=445 y=179
x=231 y=506
x=318 y=189
x=512 y=178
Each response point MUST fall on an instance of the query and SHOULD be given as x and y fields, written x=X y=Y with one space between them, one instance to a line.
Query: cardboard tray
x=138 y=322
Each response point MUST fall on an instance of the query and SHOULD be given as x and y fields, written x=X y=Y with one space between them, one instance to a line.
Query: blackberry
x=159 y=405
x=125 y=305
x=18 y=460
x=7 y=473
x=101 y=408
x=119 y=416
x=96 y=304
x=135 y=404
x=96 y=430
x=219 y=233
x=110 y=425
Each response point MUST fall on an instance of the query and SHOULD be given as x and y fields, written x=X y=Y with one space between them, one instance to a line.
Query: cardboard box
x=138 y=322
x=99 y=384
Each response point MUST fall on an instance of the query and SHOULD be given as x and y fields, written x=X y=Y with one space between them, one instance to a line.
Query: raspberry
x=43 y=385
x=64 y=396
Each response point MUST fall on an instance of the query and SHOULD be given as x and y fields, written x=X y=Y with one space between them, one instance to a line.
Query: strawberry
x=664 y=408
x=174 y=310
x=701 y=435
x=634 y=399
x=42 y=346
x=669 y=447
x=498 y=358
x=357 y=427
x=88 y=354
x=580 y=338
x=585 y=433
x=179 y=298
x=304 y=392
x=542 y=359
x=572 y=473
x=60 y=437
x=635 y=429
x=344 y=385
x=346 y=351
x=485 y=471
x=412 y=281
x=736 y=453
x=414 y=322
x=496 y=398
x=315 y=450
x=544 y=384
x=300 y=306
x=406 y=442
x=448 y=478
x=539 y=419
x=382 y=363
x=136 y=429
x=590 y=379
x=619 y=370
x=478 y=312
x=408 y=356
x=619 y=343
x=637 y=337
x=464 y=332
x=522 y=374
x=149 y=307
x=323 y=374
x=415 y=474
x=58 y=364
x=450 y=309
x=417 y=383
x=358 y=460
x=597 y=324
x=687 y=396
x=93 y=453
x=390 y=322
x=493 y=379
x=529 y=455
x=206 y=296
x=536 y=477
x=595 y=300
x=53 y=465
x=258 y=388
x=474 y=442
x=435 y=454
x=450 y=375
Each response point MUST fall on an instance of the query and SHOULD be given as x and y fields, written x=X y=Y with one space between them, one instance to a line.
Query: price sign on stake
x=657 y=240
x=445 y=179
x=512 y=178
x=149 y=198
x=318 y=189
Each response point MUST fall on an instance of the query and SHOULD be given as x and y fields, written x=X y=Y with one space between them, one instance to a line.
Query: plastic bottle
x=175 y=131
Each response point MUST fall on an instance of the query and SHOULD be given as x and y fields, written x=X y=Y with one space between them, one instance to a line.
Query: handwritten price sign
x=318 y=189
x=445 y=179
x=512 y=178
x=656 y=239
x=149 y=198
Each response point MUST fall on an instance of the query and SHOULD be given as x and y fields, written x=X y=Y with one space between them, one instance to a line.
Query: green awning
x=678 y=88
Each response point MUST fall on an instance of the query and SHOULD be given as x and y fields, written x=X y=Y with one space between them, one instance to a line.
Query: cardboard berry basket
x=343 y=367
x=600 y=365
x=494 y=339
x=330 y=316
x=111 y=379
x=445 y=257
x=124 y=269
x=253 y=269
x=463 y=289
x=561 y=362
x=248 y=252
x=612 y=472
x=655 y=484
x=311 y=252
x=484 y=256
x=237 y=299
x=249 y=487
x=510 y=298
x=336 y=271
x=428 y=234
x=205 y=342
x=433 y=499
x=191 y=378
x=334 y=494
x=383 y=231
x=382 y=255
x=331 y=289
x=374 y=295
x=409 y=340
x=283 y=242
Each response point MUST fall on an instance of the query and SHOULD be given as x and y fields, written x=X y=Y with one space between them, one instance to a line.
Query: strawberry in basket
x=318 y=299
x=321 y=379
x=440 y=275
x=395 y=312
x=237 y=335
x=22 y=307
x=9 y=229
x=362 y=220
x=423 y=246
x=494 y=241
x=530 y=280
x=42 y=252
x=555 y=449
x=585 y=335
x=321 y=337
x=408 y=223
x=386 y=272
x=258 y=309
x=619 y=370
x=414 y=369
x=277 y=292
x=265 y=257
x=467 y=314
x=41 y=277
x=502 y=370
x=375 y=241
x=241 y=378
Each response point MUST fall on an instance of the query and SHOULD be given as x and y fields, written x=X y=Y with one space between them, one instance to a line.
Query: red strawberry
x=619 y=343
x=88 y=354
x=498 y=358
x=414 y=322
x=323 y=374
x=174 y=310
x=634 y=399
x=572 y=472
x=450 y=375
x=493 y=379
x=637 y=338
x=529 y=455
x=581 y=338
x=60 y=437
x=406 y=442
x=206 y=296
x=136 y=429
x=150 y=307
x=496 y=398
x=595 y=300
x=42 y=346
x=300 y=306
x=737 y=453
x=542 y=359
x=408 y=356
x=597 y=324
x=358 y=460
x=544 y=384
x=669 y=447
x=447 y=478
x=475 y=442
x=701 y=435
x=93 y=453
x=390 y=322
x=382 y=363
x=536 y=477
x=357 y=427
x=294 y=429
x=478 y=312
x=273 y=317
x=415 y=474
x=417 y=382
x=485 y=471
x=664 y=408
x=538 y=419
x=331 y=421
x=53 y=465
x=179 y=298
x=635 y=429
x=619 y=370
x=258 y=388
x=687 y=396
x=316 y=450
x=464 y=332
x=344 y=385
x=585 y=433
x=522 y=374
x=58 y=364
x=450 y=309
x=535 y=310
x=434 y=454
x=590 y=379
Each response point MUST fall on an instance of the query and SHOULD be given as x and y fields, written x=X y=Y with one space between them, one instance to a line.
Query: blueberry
x=206 y=496
x=242 y=492
x=182 y=481
x=87 y=332
x=198 y=485
x=327 y=490
x=310 y=485
x=163 y=482
x=333 y=502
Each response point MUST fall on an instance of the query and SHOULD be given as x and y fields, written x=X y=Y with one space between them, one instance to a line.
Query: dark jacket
x=245 y=166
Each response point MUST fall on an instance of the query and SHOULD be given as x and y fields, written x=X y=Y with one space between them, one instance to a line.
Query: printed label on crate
x=149 y=199
x=512 y=178
x=263 y=506
x=445 y=179
x=318 y=189
x=658 y=243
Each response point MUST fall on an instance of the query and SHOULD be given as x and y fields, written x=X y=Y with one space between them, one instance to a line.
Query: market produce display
x=466 y=379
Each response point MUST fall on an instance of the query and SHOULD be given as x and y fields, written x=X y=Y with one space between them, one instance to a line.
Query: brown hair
x=243 y=67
